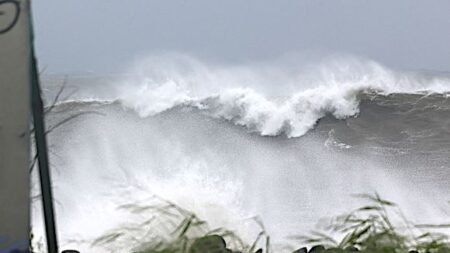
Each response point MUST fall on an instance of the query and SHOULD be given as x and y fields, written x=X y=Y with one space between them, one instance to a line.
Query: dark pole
x=41 y=151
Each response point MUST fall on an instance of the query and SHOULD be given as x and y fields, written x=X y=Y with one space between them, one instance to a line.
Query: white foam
x=231 y=176
x=267 y=99
x=283 y=97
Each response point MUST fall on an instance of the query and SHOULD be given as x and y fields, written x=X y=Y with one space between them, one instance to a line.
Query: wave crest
x=270 y=99
x=293 y=117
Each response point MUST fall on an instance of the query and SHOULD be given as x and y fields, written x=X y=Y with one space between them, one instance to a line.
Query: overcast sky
x=102 y=36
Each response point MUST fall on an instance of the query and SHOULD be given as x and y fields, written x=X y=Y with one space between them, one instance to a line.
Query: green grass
x=378 y=227
x=171 y=228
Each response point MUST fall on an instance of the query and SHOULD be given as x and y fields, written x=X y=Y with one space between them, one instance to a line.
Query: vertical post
x=42 y=154
x=43 y=163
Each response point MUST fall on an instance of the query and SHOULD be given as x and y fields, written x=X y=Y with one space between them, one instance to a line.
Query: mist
x=102 y=37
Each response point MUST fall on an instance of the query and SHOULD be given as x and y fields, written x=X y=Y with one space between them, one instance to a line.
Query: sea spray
x=197 y=134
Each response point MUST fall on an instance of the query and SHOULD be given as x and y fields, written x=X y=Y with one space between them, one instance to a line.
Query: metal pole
x=41 y=150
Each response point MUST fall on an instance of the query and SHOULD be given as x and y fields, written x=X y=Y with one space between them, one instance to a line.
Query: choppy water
x=229 y=143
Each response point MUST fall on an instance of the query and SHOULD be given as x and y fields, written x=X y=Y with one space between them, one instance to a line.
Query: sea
x=286 y=142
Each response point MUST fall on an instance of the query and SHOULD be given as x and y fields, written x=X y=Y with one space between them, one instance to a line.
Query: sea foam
x=268 y=99
x=287 y=97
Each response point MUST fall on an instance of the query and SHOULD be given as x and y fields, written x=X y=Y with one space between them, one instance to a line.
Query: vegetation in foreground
x=378 y=227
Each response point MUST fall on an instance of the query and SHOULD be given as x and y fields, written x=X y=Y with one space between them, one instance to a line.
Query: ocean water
x=286 y=141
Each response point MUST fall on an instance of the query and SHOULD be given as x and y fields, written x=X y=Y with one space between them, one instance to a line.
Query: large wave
x=286 y=97
x=114 y=157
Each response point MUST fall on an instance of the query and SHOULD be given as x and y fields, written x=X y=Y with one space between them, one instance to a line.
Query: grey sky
x=103 y=35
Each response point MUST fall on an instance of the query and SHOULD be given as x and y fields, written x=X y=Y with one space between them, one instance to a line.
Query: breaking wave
x=284 y=98
x=166 y=128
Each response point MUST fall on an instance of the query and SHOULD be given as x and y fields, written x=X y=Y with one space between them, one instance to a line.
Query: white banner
x=14 y=124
